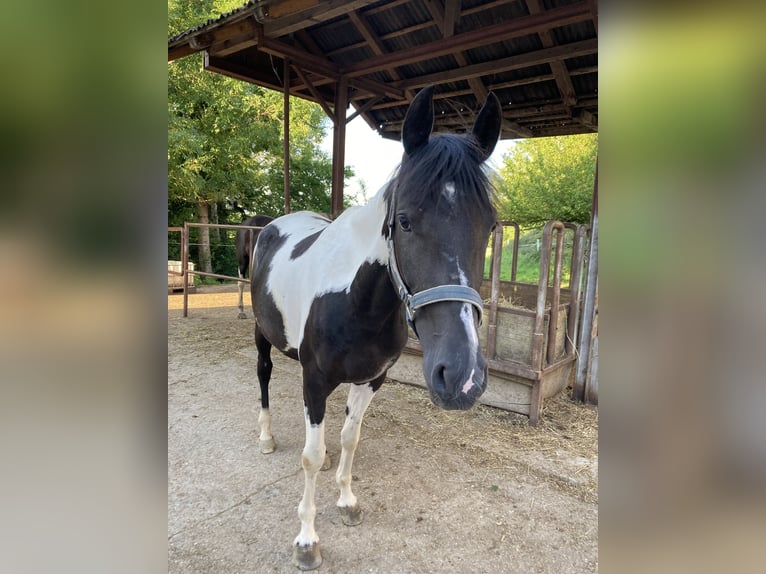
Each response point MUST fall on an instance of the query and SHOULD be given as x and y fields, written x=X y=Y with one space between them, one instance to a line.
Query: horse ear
x=486 y=129
x=419 y=121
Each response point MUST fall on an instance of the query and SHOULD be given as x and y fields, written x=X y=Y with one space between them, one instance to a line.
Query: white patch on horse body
x=329 y=265
x=312 y=459
x=469 y=383
x=449 y=191
x=466 y=314
x=359 y=397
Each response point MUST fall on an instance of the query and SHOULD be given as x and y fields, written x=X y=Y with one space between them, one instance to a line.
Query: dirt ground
x=443 y=491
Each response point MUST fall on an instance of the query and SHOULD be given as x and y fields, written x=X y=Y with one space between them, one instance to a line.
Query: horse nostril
x=439 y=379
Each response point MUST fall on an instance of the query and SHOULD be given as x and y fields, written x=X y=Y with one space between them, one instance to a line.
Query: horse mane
x=445 y=158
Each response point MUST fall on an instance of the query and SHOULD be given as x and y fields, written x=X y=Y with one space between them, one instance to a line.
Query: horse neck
x=363 y=225
x=362 y=228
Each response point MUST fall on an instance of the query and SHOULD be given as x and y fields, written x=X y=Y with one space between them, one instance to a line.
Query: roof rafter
x=510 y=63
x=563 y=81
x=460 y=42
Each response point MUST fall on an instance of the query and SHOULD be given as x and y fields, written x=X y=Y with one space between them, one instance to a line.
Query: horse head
x=440 y=216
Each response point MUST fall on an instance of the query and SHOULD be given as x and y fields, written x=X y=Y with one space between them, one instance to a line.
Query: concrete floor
x=475 y=491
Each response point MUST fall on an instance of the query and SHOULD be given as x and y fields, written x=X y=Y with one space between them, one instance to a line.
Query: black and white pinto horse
x=246 y=239
x=338 y=296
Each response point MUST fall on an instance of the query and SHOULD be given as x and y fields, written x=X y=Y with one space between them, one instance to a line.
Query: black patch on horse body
x=351 y=337
x=302 y=246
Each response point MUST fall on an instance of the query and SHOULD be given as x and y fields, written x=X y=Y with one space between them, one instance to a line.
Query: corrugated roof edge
x=212 y=21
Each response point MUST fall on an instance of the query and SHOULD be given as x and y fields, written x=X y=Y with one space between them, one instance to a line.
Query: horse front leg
x=359 y=397
x=306 y=553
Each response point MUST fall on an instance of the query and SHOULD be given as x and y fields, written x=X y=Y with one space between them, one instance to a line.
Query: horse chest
x=352 y=344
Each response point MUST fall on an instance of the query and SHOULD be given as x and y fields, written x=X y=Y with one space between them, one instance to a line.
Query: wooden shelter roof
x=539 y=56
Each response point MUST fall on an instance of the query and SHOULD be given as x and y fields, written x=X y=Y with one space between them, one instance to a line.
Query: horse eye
x=404 y=223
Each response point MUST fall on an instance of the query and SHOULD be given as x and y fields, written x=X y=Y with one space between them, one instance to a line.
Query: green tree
x=225 y=150
x=548 y=178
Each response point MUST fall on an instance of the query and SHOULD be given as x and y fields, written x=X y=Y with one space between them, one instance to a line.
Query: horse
x=246 y=239
x=338 y=296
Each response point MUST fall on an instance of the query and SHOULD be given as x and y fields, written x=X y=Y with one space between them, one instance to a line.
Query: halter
x=438 y=294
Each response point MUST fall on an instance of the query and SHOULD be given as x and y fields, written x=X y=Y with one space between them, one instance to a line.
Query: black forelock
x=445 y=158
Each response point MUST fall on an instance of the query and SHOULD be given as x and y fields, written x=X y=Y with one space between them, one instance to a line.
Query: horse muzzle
x=454 y=380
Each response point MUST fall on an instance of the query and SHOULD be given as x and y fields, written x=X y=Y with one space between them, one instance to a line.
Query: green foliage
x=225 y=137
x=528 y=263
x=225 y=147
x=548 y=178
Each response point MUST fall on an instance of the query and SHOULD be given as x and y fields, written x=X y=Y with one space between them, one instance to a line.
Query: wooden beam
x=561 y=130
x=180 y=51
x=408 y=29
x=373 y=42
x=522 y=26
x=363 y=108
x=563 y=81
x=321 y=12
x=339 y=147
x=511 y=63
x=234 y=45
x=207 y=39
x=450 y=17
x=367 y=32
x=388 y=36
x=220 y=34
x=286 y=143
x=583 y=70
x=288 y=7
x=588 y=119
x=304 y=59
x=232 y=70
x=325 y=67
x=314 y=92
x=447 y=19
x=516 y=129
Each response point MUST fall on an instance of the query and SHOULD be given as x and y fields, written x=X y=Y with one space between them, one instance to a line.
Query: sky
x=375 y=158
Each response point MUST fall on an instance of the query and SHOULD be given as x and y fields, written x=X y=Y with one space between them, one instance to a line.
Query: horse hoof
x=268 y=445
x=327 y=462
x=307 y=557
x=241 y=316
x=351 y=515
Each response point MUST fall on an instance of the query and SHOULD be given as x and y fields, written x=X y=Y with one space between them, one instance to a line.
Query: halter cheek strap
x=438 y=294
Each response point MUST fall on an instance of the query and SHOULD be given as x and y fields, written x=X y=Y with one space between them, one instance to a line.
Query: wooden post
x=339 y=146
x=497 y=255
x=286 y=74
x=184 y=265
x=589 y=305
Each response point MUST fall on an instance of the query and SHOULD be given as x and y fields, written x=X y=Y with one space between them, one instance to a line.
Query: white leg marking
x=359 y=397
x=312 y=458
x=264 y=423
x=241 y=286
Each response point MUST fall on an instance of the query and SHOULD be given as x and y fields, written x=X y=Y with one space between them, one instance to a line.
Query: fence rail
x=185 y=271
